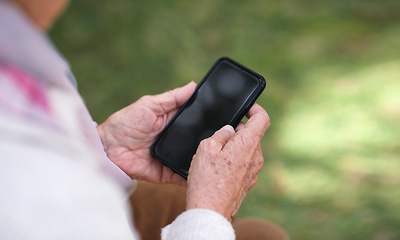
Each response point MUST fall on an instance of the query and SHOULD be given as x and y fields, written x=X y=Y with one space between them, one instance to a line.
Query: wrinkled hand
x=226 y=165
x=127 y=135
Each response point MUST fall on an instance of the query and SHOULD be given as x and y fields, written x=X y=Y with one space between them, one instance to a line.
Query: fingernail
x=229 y=128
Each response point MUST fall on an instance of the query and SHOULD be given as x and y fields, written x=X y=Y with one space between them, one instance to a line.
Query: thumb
x=223 y=135
x=175 y=98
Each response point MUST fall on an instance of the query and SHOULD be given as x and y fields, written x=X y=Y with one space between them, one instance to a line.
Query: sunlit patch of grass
x=340 y=139
x=344 y=113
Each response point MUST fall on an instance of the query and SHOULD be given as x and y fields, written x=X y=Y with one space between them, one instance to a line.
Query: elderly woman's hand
x=226 y=165
x=127 y=135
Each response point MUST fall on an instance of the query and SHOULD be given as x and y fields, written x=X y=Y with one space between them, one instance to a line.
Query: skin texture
x=128 y=134
x=226 y=165
x=224 y=168
x=42 y=12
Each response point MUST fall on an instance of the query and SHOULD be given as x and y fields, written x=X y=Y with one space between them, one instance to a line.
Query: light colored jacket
x=55 y=179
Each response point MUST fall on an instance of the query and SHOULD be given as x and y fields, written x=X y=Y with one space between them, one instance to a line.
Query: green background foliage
x=332 y=153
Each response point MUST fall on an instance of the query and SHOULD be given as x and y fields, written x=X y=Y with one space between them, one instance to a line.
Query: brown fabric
x=155 y=206
x=256 y=229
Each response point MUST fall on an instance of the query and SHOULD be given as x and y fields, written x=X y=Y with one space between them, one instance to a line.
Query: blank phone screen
x=217 y=102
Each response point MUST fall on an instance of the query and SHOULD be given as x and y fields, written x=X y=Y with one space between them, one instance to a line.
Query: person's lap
x=155 y=206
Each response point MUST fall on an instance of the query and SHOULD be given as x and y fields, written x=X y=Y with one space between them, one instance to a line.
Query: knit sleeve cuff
x=199 y=224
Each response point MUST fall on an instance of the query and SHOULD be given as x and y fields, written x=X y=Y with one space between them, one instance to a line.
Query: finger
x=258 y=117
x=168 y=176
x=259 y=159
x=175 y=98
x=257 y=124
x=179 y=180
x=240 y=126
x=253 y=183
x=223 y=135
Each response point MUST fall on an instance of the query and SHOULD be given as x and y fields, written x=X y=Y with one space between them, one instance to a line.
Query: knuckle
x=268 y=123
x=253 y=181
x=208 y=143
x=145 y=98
x=212 y=142
x=264 y=115
x=259 y=166
x=203 y=144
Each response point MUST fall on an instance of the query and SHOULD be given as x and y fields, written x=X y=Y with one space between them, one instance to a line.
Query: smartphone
x=223 y=97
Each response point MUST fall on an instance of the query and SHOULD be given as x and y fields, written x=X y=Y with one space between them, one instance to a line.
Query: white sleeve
x=199 y=224
x=53 y=188
x=45 y=195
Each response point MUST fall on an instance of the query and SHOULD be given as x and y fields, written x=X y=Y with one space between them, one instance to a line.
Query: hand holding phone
x=223 y=97
x=226 y=165
x=128 y=134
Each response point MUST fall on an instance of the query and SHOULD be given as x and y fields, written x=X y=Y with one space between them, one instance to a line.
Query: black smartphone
x=223 y=97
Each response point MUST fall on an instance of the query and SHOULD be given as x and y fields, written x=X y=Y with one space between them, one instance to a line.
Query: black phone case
x=235 y=121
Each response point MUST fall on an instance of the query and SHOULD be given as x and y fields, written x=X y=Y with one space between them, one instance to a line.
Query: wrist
x=102 y=135
x=210 y=204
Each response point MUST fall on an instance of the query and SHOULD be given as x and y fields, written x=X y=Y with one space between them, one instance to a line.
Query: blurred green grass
x=332 y=153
